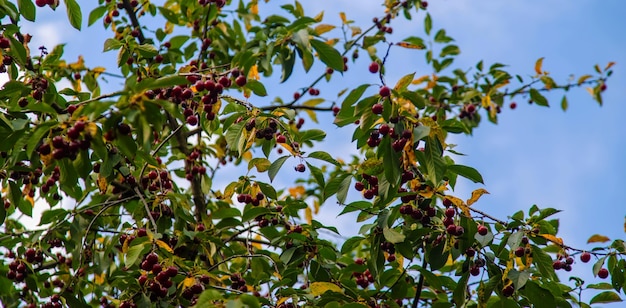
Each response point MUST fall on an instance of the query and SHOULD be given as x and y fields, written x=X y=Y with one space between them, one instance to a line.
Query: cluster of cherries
x=27 y=177
x=69 y=147
x=372 y=186
x=194 y=168
x=218 y=3
x=51 y=181
x=399 y=138
x=248 y=199
x=363 y=279
x=238 y=282
x=115 y=13
x=161 y=281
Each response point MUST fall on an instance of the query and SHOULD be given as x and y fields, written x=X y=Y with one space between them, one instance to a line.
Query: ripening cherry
x=585 y=257
x=374 y=67
x=482 y=230
x=384 y=91
x=603 y=273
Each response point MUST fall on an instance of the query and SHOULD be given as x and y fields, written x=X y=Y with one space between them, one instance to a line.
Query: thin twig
x=145 y=204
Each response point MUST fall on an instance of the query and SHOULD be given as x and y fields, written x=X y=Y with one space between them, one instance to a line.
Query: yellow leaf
x=30 y=200
x=476 y=194
x=426 y=193
x=282 y=300
x=316 y=206
x=318 y=288
x=597 y=238
x=297 y=191
x=323 y=28
x=355 y=31
x=421 y=79
x=247 y=156
x=486 y=101
x=254 y=9
x=164 y=245
x=102 y=184
x=255 y=244
x=609 y=65
x=125 y=246
x=99 y=279
x=91 y=128
x=312 y=114
x=432 y=82
x=460 y=204
x=169 y=27
x=78 y=65
x=308 y=215
x=98 y=70
x=188 y=282
x=450 y=261
x=289 y=149
x=553 y=239
x=278 y=275
x=410 y=46
x=253 y=73
x=343 y=17
x=318 y=18
x=590 y=90
x=538 y=65
x=582 y=79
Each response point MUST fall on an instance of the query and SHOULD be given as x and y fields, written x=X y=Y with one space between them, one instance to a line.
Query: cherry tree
x=130 y=182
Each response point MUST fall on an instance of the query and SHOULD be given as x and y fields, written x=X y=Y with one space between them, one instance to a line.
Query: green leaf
x=261 y=164
x=18 y=51
x=321 y=155
x=355 y=206
x=536 y=97
x=539 y=296
x=600 y=286
x=96 y=14
x=459 y=294
x=74 y=14
x=207 y=298
x=111 y=44
x=393 y=236
x=334 y=184
x=404 y=82
x=543 y=261
x=49 y=216
x=250 y=213
x=257 y=88
x=564 y=103
x=329 y=55
x=351 y=243
x=434 y=163
x=163 y=82
x=225 y=212
x=342 y=192
x=27 y=9
x=467 y=172
x=40 y=131
x=135 y=251
x=147 y=50
x=605 y=297
x=519 y=278
x=273 y=170
x=268 y=190
x=428 y=24
x=450 y=50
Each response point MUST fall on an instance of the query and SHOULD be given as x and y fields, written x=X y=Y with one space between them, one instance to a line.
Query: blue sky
x=573 y=161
